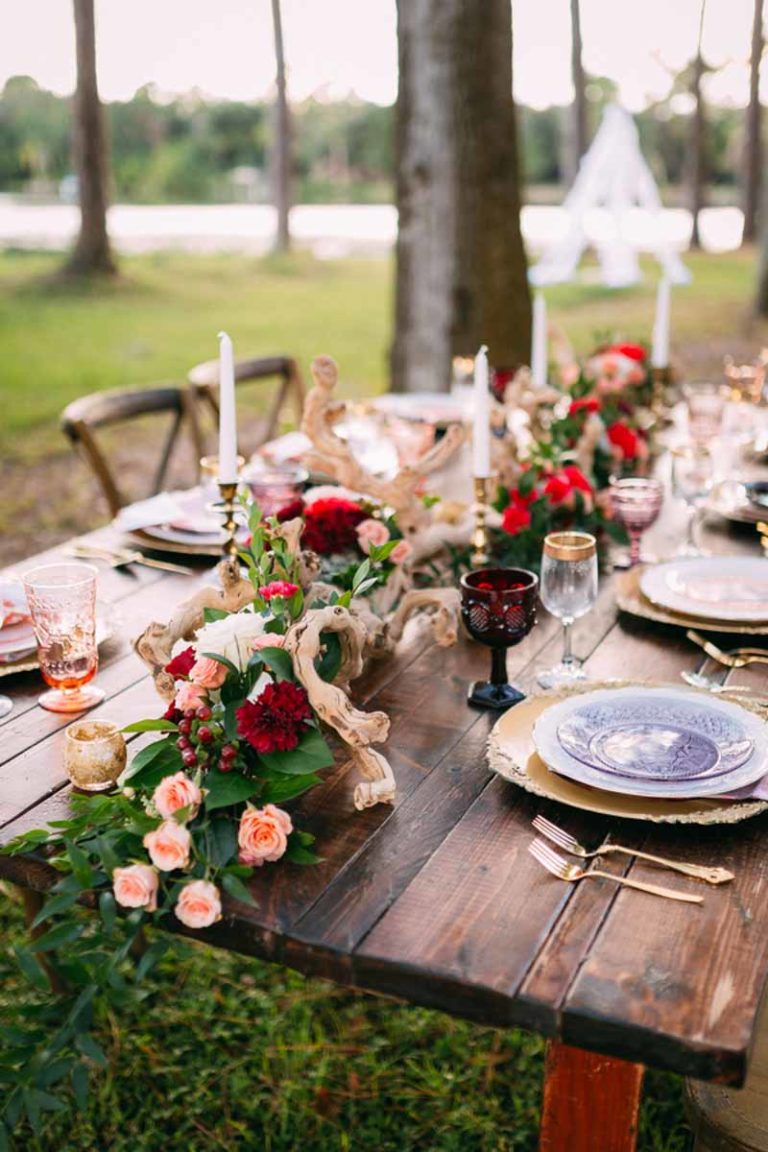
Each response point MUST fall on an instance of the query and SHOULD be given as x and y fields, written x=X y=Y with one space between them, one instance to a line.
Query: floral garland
x=198 y=809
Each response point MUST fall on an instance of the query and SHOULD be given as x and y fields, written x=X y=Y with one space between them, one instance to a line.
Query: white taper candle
x=481 y=440
x=539 y=342
x=227 y=415
x=660 y=346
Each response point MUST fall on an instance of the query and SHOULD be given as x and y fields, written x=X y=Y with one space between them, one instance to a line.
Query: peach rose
x=263 y=834
x=199 y=904
x=168 y=846
x=136 y=886
x=268 y=640
x=175 y=792
x=207 y=672
x=371 y=532
x=401 y=552
x=189 y=696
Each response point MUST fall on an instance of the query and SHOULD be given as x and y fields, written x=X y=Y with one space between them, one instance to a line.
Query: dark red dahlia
x=291 y=511
x=181 y=665
x=277 y=720
x=329 y=525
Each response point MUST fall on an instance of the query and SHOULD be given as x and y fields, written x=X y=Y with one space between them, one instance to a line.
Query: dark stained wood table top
x=436 y=900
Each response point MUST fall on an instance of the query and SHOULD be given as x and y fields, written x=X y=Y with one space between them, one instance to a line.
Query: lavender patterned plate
x=653 y=742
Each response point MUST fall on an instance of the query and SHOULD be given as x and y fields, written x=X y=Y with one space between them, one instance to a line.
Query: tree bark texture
x=461 y=276
x=753 y=141
x=281 y=154
x=92 y=253
x=576 y=135
x=698 y=129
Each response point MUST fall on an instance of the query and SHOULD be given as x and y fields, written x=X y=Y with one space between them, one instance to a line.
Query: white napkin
x=160 y=509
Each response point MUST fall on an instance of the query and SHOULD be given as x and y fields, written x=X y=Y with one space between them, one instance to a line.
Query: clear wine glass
x=636 y=502
x=705 y=402
x=568 y=591
x=62 y=602
x=693 y=468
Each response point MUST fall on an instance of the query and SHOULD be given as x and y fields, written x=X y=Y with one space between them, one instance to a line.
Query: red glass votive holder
x=498 y=607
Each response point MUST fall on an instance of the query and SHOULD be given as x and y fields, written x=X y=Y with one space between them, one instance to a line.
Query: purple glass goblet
x=498 y=607
x=636 y=503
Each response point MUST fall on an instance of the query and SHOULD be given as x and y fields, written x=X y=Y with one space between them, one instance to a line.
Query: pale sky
x=224 y=47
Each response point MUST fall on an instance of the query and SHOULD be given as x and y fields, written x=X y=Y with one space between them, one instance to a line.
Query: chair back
x=81 y=419
x=282 y=371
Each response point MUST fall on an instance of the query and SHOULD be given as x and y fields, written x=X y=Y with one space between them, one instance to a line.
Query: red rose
x=631 y=351
x=500 y=377
x=278 y=588
x=557 y=488
x=623 y=438
x=585 y=404
x=577 y=479
x=181 y=665
x=277 y=720
x=291 y=511
x=515 y=518
x=329 y=526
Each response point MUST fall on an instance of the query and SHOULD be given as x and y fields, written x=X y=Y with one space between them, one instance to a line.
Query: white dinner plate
x=645 y=768
x=718 y=588
x=432 y=407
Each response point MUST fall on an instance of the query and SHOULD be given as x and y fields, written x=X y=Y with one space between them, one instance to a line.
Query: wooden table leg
x=590 y=1102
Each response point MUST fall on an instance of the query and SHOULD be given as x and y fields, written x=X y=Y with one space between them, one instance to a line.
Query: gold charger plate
x=512 y=754
x=630 y=598
x=148 y=543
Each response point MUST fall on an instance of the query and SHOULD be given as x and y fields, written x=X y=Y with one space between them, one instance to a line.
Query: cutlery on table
x=561 y=868
x=121 y=557
x=698 y=680
x=735 y=658
x=565 y=841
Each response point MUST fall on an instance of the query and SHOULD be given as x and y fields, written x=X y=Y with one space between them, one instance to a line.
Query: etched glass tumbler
x=62 y=603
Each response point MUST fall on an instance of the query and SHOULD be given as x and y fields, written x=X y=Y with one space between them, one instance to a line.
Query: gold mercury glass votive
x=94 y=754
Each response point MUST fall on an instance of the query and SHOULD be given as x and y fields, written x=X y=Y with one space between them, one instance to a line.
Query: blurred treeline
x=191 y=150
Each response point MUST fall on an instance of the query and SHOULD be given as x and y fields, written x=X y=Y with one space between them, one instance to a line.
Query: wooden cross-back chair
x=204 y=380
x=81 y=419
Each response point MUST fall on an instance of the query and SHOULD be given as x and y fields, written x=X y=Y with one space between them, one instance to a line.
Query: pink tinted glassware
x=273 y=488
x=498 y=607
x=62 y=602
x=636 y=503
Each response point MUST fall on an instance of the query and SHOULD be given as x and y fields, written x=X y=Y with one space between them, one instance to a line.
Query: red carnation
x=515 y=517
x=584 y=404
x=181 y=665
x=329 y=526
x=291 y=511
x=278 y=588
x=277 y=720
x=631 y=351
x=557 y=488
x=624 y=438
x=577 y=479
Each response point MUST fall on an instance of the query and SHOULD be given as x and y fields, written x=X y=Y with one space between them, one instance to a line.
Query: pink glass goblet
x=498 y=607
x=276 y=487
x=636 y=502
x=62 y=603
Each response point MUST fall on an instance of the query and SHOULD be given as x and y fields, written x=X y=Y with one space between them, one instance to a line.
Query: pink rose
x=371 y=532
x=199 y=904
x=169 y=846
x=263 y=834
x=136 y=886
x=176 y=792
x=267 y=640
x=208 y=673
x=401 y=552
x=189 y=696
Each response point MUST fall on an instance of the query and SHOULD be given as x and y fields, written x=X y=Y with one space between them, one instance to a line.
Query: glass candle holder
x=498 y=607
x=568 y=591
x=62 y=603
x=636 y=502
x=209 y=474
x=94 y=755
x=276 y=487
x=705 y=402
x=693 y=470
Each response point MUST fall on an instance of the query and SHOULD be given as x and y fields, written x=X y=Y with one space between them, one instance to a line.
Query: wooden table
x=437 y=900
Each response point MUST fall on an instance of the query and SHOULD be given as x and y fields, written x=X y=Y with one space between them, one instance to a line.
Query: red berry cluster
x=198 y=741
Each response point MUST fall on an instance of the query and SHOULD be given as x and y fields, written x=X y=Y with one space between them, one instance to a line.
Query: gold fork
x=565 y=841
x=736 y=658
x=559 y=867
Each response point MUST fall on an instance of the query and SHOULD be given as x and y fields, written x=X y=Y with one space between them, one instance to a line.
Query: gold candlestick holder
x=479 y=538
x=227 y=508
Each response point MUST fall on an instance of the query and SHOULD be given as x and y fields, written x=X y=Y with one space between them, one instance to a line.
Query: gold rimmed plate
x=630 y=598
x=512 y=754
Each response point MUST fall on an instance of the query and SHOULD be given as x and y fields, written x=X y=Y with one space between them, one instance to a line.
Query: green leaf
x=226 y=788
x=360 y=574
x=151 y=957
x=283 y=788
x=56 y=937
x=230 y=719
x=31 y=968
x=107 y=910
x=54 y=906
x=55 y=1071
x=278 y=661
x=329 y=663
x=152 y=764
x=80 y=1085
x=222 y=842
x=151 y=726
x=311 y=754
x=211 y=614
x=88 y=1047
x=81 y=865
x=235 y=888
x=298 y=854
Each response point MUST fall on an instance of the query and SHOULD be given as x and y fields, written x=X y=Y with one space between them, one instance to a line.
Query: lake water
x=330 y=231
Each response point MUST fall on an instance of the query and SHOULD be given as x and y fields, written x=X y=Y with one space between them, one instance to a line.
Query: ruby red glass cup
x=498 y=607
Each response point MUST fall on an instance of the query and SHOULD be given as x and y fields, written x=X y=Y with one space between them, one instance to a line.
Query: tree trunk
x=698 y=130
x=92 y=252
x=753 y=143
x=576 y=134
x=281 y=154
x=761 y=299
x=461 y=278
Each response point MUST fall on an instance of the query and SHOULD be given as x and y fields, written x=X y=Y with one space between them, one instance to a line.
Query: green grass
x=230 y=1054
